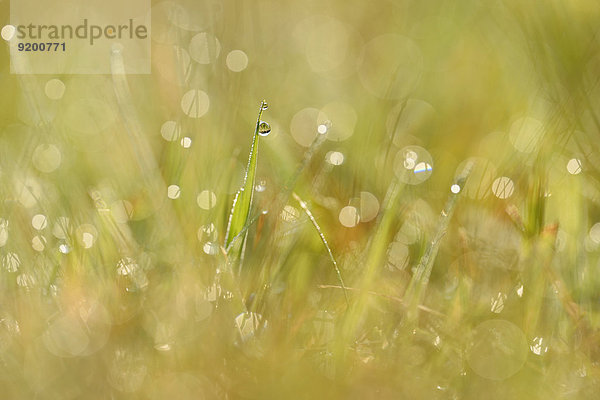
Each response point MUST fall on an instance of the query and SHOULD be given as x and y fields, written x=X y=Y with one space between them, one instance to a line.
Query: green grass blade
x=322 y=236
x=238 y=218
x=416 y=288
x=374 y=257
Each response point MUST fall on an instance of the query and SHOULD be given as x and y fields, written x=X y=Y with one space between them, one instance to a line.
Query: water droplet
x=261 y=186
x=455 y=188
x=249 y=324
x=3 y=232
x=264 y=105
x=334 y=158
x=131 y=275
x=422 y=167
x=520 y=290
x=413 y=165
x=324 y=127
x=497 y=303
x=212 y=292
x=538 y=346
x=289 y=214
x=163 y=347
x=26 y=281
x=86 y=235
x=87 y=239
x=186 y=142
x=574 y=166
x=173 y=192
x=11 y=262
x=210 y=248
x=410 y=155
x=208 y=231
x=264 y=128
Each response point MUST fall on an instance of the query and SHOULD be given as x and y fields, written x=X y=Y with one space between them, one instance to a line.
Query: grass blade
x=322 y=236
x=416 y=288
x=240 y=210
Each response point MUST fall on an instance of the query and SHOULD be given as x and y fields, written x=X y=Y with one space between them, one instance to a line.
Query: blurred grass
x=122 y=292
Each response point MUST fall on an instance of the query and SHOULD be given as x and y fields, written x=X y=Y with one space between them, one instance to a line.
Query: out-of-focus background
x=115 y=193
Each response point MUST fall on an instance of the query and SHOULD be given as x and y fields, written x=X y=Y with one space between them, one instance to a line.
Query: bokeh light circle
x=503 y=187
x=413 y=165
x=39 y=222
x=54 y=89
x=338 y=120
x=195 y=103
x=236 y=60
x=574 y=166
x=206 y=199
x=170 y=131
x=304 y=125
x=369 y=206
x=46 y=158
x=334 y=157
x=526 y=134
x=204 y=48
x=8 y=32
x=173 y=192
x=349 y=216
x=497 y=350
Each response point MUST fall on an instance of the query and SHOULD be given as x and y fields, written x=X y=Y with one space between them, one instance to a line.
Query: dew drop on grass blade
x=238 y=218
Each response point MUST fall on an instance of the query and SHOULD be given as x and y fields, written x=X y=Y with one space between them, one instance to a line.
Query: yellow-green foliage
x=422 y=221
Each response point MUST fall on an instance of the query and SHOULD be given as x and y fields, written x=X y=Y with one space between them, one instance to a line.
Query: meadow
x=304 y=200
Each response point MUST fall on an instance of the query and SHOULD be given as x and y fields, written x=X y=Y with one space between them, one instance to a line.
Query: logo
x=79 y=37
